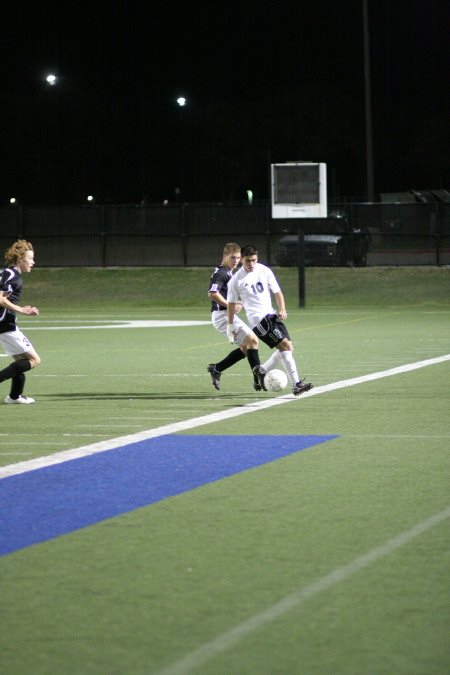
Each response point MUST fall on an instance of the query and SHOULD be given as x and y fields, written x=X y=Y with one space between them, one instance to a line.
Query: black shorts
x=271 y=330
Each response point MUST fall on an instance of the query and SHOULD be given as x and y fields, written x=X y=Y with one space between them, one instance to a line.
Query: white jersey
x=253 y=290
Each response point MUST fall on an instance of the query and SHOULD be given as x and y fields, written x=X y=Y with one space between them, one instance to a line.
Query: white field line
x=197 y=658
x=103 y=446
x=149 y=323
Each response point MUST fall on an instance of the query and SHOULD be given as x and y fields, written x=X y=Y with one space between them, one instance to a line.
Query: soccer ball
x=275 y=380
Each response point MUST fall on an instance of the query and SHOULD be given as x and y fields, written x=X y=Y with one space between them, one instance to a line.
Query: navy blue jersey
x=11 y=282
x=219 y=284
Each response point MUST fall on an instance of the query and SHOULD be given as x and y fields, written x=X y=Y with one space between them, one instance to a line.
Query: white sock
x=273 y=361
x=287 y=359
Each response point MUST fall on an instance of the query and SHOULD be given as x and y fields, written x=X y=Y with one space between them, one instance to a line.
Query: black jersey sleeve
x=219 y=284
x=11 y=282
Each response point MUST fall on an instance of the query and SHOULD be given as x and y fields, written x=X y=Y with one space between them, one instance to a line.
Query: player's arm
x=281 y=306
x=231 y=311
x=217 y=297
x=27 y=309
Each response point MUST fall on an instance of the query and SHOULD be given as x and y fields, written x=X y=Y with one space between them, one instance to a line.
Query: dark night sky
x=264 y=84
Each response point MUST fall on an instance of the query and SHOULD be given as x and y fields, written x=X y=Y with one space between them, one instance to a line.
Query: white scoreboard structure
x=299 y=190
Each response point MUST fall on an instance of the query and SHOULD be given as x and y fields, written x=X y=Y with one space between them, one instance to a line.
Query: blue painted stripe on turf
x=55 y=500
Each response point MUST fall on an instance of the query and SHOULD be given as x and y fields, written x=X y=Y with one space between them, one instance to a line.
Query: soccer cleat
x=256 y=385
x=24 y=400
x=215 y=375
x=258 y=374
x=301 y=387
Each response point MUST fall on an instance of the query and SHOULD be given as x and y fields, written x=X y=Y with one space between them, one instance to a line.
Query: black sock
x=253 y=357
x=15 y=368
x=17 y=386
x=232 y=358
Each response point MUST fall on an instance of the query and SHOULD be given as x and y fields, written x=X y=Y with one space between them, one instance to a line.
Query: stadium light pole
x=179 y=189
x=52 y=84
x=368 y=105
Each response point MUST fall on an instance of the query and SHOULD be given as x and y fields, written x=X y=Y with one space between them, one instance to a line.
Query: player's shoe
x=24 y=400
x=259 y=374
x=256 y=385
x=301 y=387
x=215 y=375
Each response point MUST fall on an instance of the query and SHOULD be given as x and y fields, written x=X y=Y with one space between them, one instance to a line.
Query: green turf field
x=330 y=561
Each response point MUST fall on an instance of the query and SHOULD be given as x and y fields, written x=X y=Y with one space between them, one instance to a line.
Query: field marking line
x=148 y=323
x=223 y=642
x=211 y=418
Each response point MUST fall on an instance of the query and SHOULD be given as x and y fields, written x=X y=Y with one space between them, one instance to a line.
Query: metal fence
x=194 y=234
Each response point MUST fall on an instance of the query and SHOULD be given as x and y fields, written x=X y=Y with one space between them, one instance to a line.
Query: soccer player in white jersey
x=253 y=286
x=19 y=258
x=243 y=337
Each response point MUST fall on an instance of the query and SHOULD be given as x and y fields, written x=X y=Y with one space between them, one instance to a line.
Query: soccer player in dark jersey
x=19 y=258
x=244 y=337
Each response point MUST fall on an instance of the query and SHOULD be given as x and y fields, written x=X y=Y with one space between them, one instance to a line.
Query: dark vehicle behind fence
x=329 y=242
x=325 y=250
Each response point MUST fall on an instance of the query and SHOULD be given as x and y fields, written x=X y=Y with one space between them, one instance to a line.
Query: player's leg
x=299 y=386
x=216 y=369
x=274 y=361
x=274 y=333
x=258 y=371
x=242 y=330
x=24 y=360
x=251 y=344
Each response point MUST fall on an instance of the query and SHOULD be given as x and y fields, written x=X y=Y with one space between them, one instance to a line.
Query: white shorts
x=220 y=321
x=15 y=343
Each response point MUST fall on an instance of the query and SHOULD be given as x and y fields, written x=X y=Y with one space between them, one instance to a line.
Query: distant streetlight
x=51 y=79
x=181 y=101
x=90 y=198
x=12 y=200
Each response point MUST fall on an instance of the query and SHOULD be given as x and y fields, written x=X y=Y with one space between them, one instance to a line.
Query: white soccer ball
x=275 y=380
